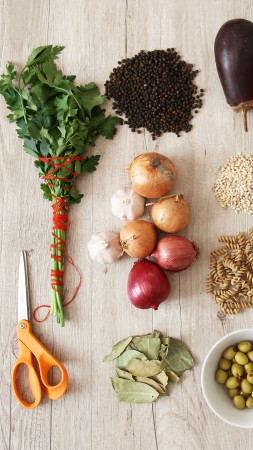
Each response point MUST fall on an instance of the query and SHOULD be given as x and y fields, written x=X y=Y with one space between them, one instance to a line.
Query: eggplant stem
x=244 y=107
x=244 y=116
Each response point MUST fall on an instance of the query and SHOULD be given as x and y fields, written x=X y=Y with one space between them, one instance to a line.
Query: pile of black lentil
x=155 y=90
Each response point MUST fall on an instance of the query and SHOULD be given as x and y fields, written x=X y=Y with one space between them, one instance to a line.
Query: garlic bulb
x=127 y=204
x=105 y=247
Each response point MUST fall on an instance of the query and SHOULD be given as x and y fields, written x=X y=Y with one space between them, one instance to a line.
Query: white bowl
x=215 y=393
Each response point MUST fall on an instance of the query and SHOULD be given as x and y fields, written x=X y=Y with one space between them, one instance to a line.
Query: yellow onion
x=138 y=238
x=152 y=175
x=171 y=214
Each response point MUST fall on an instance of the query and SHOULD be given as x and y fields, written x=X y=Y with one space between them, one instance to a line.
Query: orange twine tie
x=70 y=260
x=60 y=222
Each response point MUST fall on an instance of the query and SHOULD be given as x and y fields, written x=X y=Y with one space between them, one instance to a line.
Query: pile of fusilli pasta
x=230 y=281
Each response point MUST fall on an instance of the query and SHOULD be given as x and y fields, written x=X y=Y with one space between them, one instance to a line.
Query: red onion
x=175 y=253
x=148 y=286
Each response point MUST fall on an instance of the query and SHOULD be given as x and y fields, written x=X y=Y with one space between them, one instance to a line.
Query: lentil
x=155 y=90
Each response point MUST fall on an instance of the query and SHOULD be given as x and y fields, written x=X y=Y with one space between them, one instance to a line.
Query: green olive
x=249 y=402
x=232 y=383
x=244 y=394
x=239 y=401
x=246 y=386
x=232 y=392
x=229 y=353
x=245 y=346
x=221 y=376
x=224 y=364
x=250 y=355
x=237 y=369
x=250 y=377
x=248 y=367
x=241 y=358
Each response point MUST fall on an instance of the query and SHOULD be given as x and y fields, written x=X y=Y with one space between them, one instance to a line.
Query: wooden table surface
x=96 y=34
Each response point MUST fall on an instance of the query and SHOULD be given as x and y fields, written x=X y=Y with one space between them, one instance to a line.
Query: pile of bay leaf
x=146 y=364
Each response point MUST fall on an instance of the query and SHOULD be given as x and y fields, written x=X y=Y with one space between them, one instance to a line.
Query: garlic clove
x=105 y=247
x=127 y=204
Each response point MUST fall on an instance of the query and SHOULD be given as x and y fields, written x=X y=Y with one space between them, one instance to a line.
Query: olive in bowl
x=226 y=378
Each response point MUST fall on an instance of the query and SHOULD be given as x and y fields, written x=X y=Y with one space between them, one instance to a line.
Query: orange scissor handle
x=25 y=357
x=45 y=361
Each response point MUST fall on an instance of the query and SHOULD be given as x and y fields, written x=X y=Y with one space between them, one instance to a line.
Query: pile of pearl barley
x=233 y=187
x=236 y=373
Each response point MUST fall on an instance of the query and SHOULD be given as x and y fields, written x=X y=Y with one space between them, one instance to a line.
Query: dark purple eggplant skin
x=233 y=50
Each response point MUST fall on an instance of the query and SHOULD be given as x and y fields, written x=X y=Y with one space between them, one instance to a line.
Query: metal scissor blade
x=23 y=289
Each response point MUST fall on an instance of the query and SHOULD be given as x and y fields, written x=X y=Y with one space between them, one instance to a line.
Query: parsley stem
x=81 y=109
x=57 y=267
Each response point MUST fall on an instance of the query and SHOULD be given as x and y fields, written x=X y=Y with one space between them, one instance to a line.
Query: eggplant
x=233 y=49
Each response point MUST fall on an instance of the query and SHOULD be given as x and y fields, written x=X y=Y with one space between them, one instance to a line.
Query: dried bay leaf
x=163 y=351
x=144 y=368
x=150 y=346
x=124 y=374
x=165 y=340
x=146 y=364
x=172 y=376
x=133 y=391
x=117 y=349
x=136 y=341
x=156 y=334
x=178 y=357
x=130 y=347
x=123 y=360
x=161 y=378
x=158 y=387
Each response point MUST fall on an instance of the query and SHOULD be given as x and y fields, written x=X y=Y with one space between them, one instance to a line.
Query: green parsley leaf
x=90 y=163
x=90 y=96
x=33 y=129
x=7 y=79
x=42 y=54
x=56 y=118
x=108 y=127
x=44 y=147
x=30 y=147
x=46 y=192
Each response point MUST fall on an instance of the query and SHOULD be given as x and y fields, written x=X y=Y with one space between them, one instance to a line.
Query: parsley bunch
x=56 y=119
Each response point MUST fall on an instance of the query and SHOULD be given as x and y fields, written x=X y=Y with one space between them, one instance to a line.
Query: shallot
x=175 y=253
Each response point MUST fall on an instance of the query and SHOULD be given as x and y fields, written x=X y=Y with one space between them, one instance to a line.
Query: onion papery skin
x=175 y=253
x=171 y=214
x=148 y=285
x=138 y=238
x=152 y=175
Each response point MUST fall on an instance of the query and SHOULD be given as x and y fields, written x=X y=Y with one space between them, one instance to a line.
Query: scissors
x=30 y=346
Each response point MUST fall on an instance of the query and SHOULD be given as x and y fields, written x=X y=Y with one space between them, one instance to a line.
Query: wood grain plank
x=19 y=232
x=97 y=34
x=198 y=158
